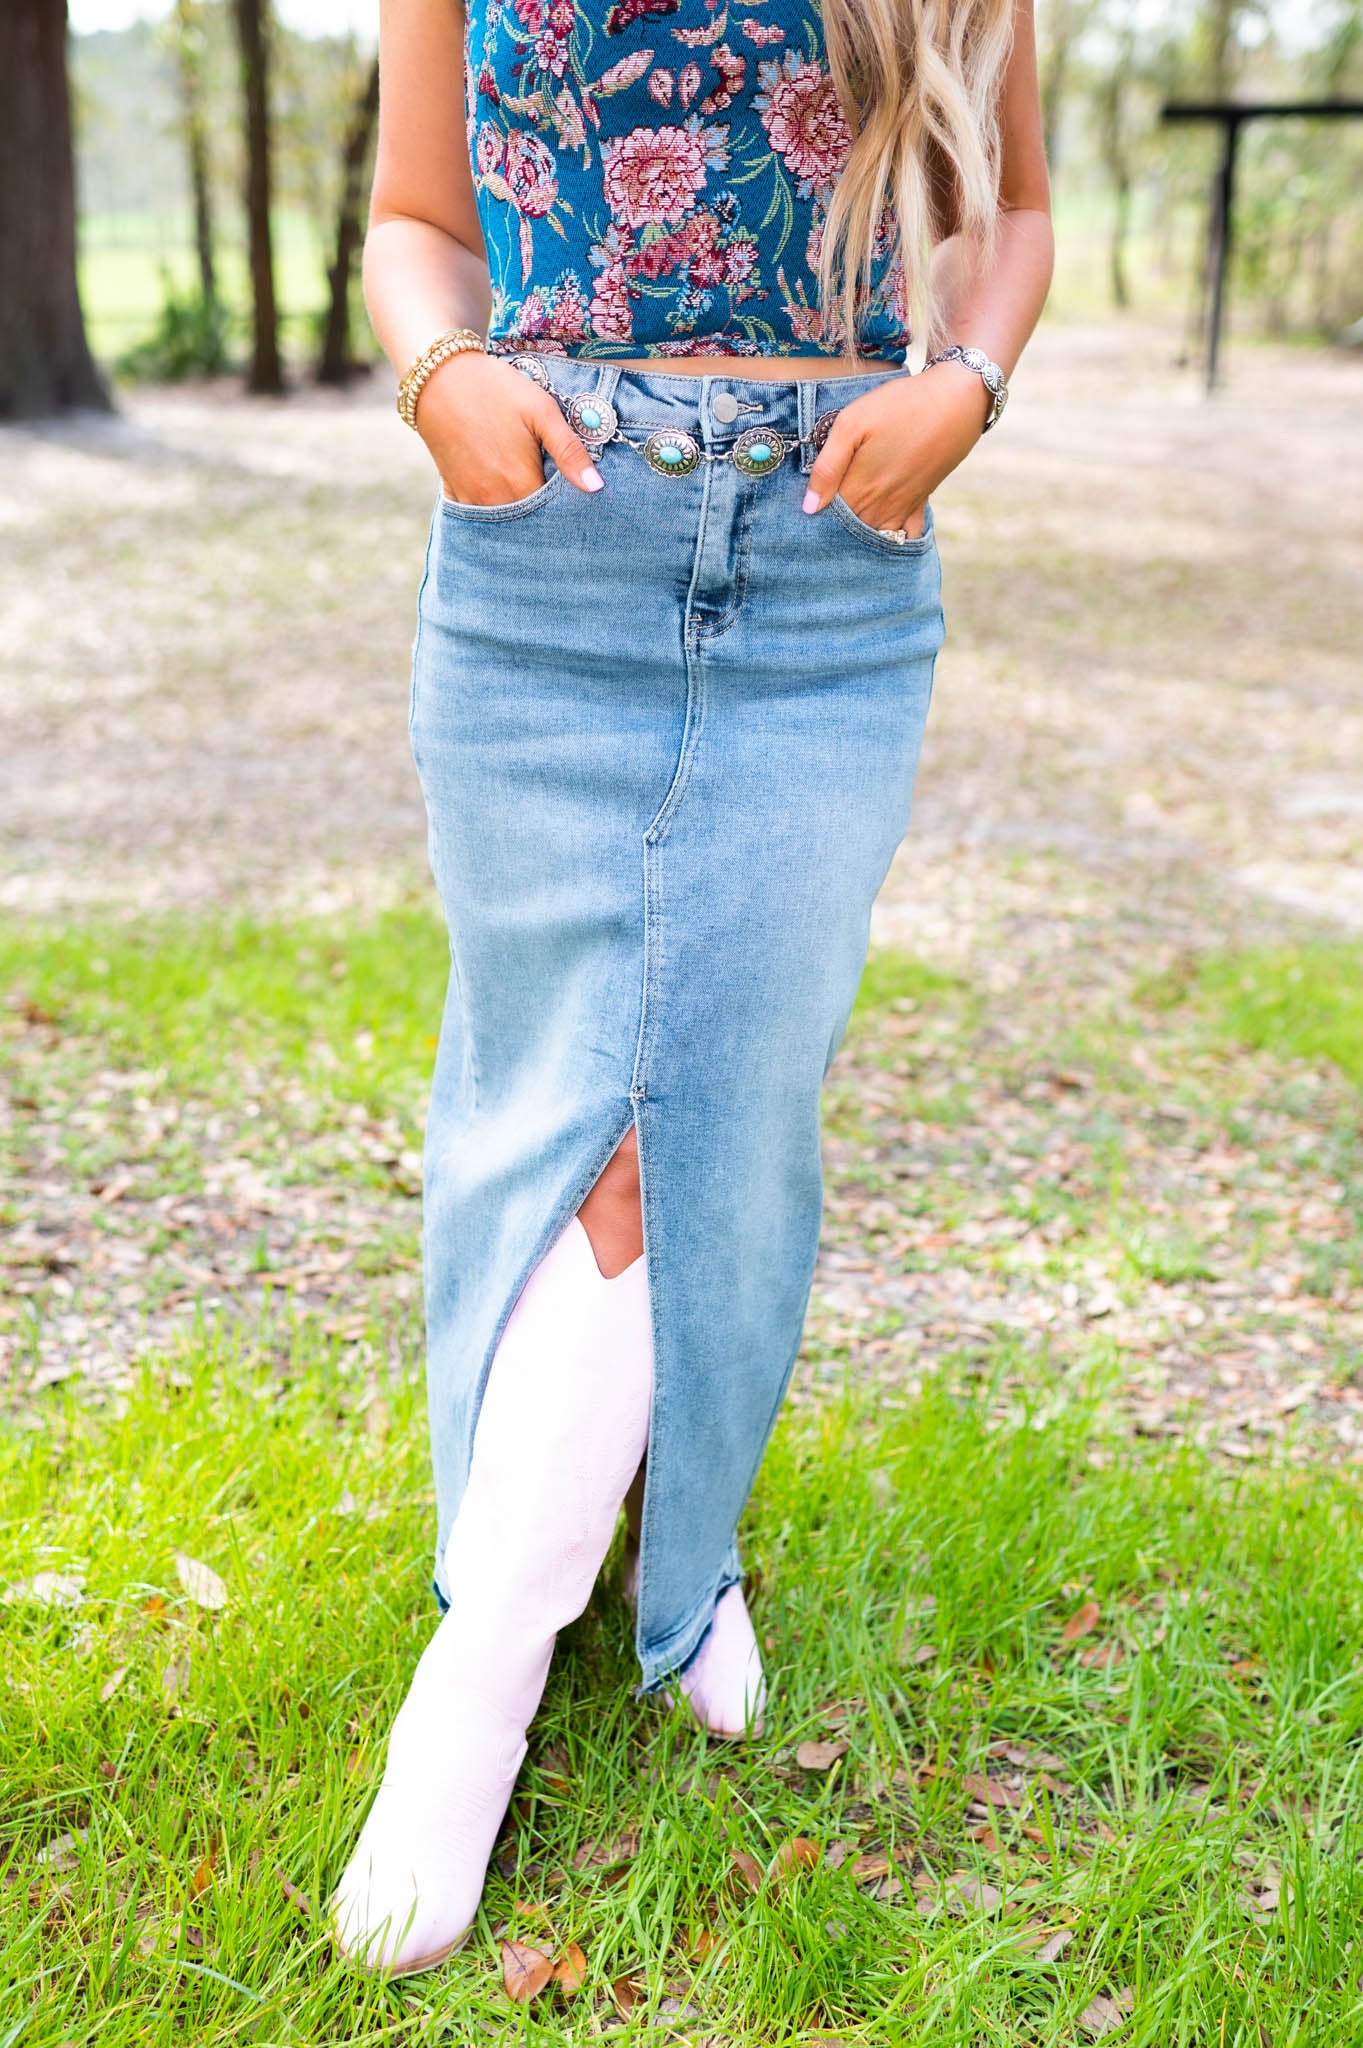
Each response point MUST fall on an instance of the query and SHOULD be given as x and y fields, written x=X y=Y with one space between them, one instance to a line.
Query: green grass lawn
x=1090 y=1704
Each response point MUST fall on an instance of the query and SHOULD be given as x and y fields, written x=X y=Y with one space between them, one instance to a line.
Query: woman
x=667 y=699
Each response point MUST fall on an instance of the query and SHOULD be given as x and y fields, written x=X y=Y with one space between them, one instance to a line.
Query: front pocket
x=871 y=536
x=518 y=509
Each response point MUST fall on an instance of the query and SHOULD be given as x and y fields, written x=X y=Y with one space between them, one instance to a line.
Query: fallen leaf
x=819 y=1756
x=799 y=1853
x=749 y=1869
x=985 y=1836
x=924 y=1654
x=155 y=1607
x=1103 y=2015
x=525 y=1971
x=1101 y=1656
x=1046 y=1946
x=992 y=1791
x=45 y=1589
x=112 y=1683
x=1082 y=1622
x=871 y=1866
x=627 y=1992
x=986 y=1898
x=203 y=1876
x=297 y=1899
x=199 y=1583
x=60 y=1854
x=837 y=1856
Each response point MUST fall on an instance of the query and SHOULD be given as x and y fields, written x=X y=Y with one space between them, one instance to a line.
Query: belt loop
x=806 y=412
x=607 y=377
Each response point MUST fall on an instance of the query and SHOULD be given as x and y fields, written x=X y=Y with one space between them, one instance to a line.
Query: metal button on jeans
x=724 y=407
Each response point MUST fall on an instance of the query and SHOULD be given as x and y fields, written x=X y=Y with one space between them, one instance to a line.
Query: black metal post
x=1220 y=245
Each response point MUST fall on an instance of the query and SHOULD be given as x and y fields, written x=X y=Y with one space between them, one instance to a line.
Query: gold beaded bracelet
x=460 y=342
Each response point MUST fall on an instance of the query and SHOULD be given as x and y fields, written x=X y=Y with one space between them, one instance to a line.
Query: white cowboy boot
x=724 y=1684
x=560 y=1433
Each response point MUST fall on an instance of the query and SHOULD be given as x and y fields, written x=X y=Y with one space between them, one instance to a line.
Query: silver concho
x=592 y=419
x=671 y=453
x=823 y=427
x=531 y=367
x=758 y=452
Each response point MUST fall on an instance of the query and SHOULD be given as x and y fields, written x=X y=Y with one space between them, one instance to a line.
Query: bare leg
x=611 y=1215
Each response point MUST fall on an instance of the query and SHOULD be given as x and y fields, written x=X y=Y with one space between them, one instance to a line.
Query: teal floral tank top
x=653 y=178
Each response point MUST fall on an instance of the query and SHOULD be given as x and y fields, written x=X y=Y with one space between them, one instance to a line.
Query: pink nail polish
x=811 y=502
x=592 y=479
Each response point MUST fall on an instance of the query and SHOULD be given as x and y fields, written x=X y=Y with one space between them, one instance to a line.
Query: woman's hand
x=889 y=450
x=488 y=429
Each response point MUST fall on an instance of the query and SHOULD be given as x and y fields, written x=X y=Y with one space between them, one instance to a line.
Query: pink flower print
x=488 y=88
x=805 y=124
x=654 y=174
x=660 y=84
x=533 y=317
x=563 y=18
x=527 y=241
x=530 y=15
x=568 y=308
x=489 y=149
x=689 y=84
x=762 y=33
x=611 y=315
x=530 y=174
x=732 y=72
x=740 y=263
x=551 y=54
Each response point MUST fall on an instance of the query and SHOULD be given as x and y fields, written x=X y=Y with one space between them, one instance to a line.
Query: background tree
x=1062 y=28
x=336 y=363
x=1112 y=115
x=266 y=372
x=45 y=362
x=187 y=40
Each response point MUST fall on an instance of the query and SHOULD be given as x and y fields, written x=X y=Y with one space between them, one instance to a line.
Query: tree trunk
x=1116 y=152
x=188 y=33
x=252 y=32
x=335 y=364
x=45 y=361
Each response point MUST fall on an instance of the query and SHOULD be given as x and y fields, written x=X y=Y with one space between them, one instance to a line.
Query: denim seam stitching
x=711 y=631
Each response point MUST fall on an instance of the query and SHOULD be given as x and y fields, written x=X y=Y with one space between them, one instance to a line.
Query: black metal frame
x=1231 y=116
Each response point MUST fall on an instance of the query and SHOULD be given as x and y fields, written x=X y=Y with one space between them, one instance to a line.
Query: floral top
x=653 y=176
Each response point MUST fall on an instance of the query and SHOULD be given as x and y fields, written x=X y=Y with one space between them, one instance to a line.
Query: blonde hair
x=919 y=81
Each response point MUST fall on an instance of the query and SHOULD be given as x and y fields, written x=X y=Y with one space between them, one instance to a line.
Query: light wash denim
x=667 y=737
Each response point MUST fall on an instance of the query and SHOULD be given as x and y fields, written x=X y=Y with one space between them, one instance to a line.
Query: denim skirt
x=667 y=738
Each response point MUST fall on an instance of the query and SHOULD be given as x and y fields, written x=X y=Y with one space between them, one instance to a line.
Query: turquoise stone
x=759 y=452
x=671 y=456
x=589 y=416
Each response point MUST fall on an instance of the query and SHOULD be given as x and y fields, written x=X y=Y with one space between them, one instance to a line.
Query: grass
x=1301 y=1002
x=1215 y=1759
x=1114 y=1682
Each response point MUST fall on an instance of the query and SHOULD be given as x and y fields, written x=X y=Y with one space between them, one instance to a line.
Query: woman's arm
x=425 y=270
x=889 y=451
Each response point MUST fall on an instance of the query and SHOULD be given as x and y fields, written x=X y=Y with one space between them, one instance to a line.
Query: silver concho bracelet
x=975 y=359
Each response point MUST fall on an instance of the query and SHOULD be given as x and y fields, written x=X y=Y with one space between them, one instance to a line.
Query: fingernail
x=592 y=479
x=811 y=503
